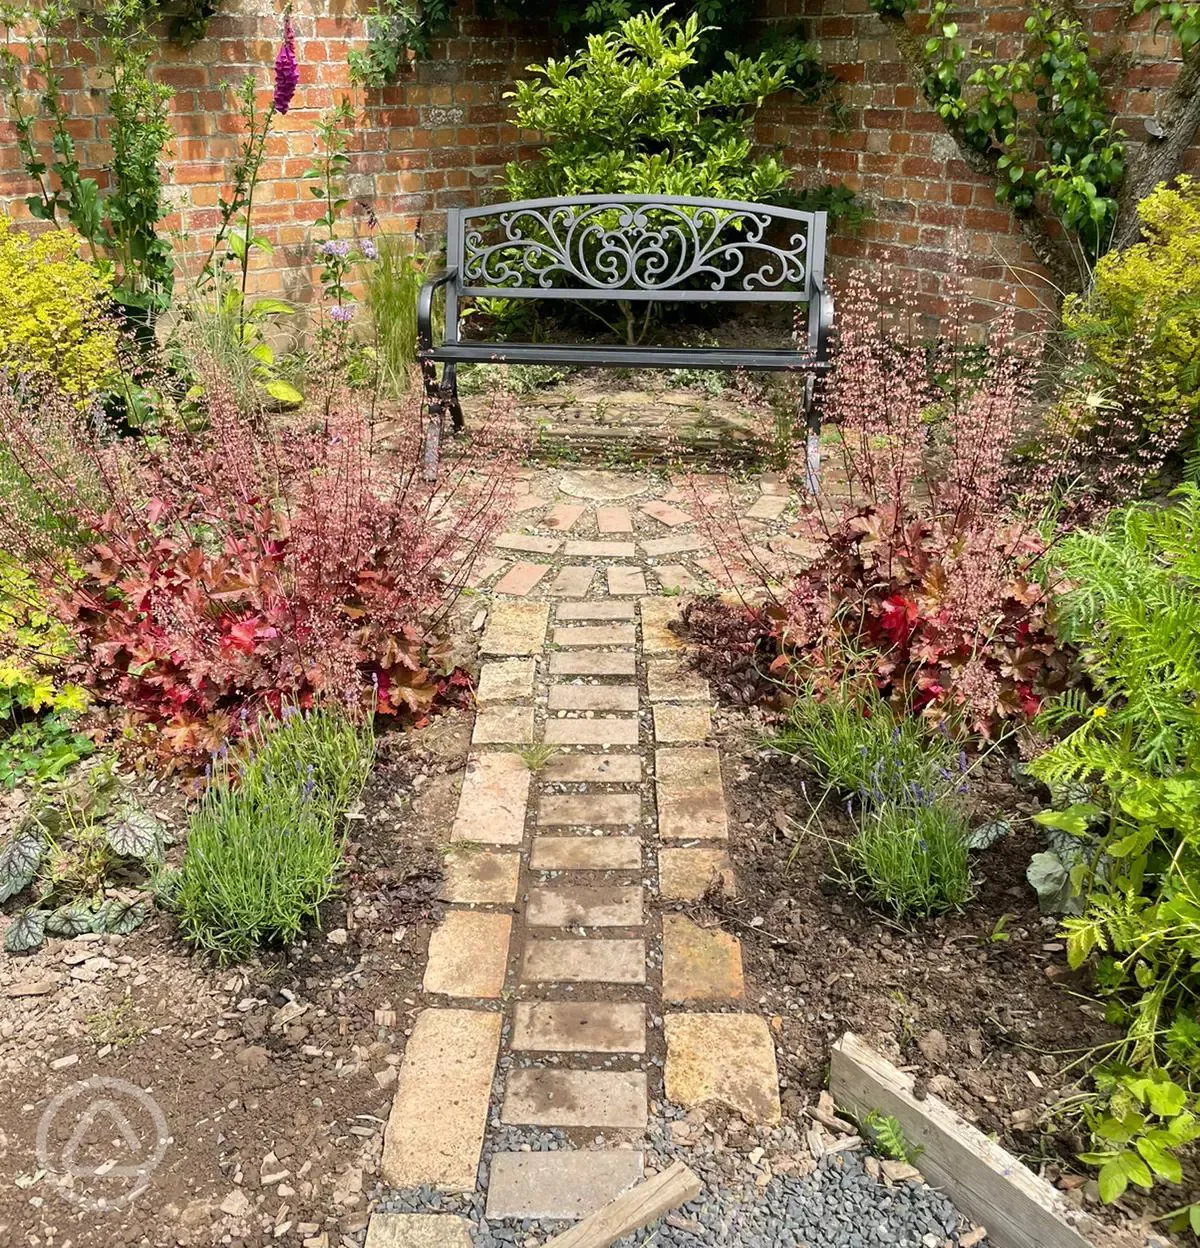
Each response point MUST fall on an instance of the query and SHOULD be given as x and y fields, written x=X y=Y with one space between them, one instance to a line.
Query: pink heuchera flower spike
x=286 y=73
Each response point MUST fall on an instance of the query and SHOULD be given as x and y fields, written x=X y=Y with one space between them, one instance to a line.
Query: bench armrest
x=425 y=306
x=820 y=327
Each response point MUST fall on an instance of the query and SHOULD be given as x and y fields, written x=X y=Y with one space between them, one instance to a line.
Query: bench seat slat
x=774 y=360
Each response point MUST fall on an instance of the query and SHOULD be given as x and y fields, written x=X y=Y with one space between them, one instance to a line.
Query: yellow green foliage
x=52 y=311
x=33 y=645
x=1140 y=322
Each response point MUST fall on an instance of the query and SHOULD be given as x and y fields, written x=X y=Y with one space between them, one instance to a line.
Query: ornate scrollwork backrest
x=636 y=247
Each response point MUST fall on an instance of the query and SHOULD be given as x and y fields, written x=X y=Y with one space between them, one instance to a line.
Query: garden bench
x=628 y=250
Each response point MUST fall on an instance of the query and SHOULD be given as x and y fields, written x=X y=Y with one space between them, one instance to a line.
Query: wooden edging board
x=632 y=1210
x=1018 y=1208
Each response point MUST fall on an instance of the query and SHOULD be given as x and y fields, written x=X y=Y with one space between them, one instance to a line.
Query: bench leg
x=435 y=405
x=812 y=446
x=450 y=393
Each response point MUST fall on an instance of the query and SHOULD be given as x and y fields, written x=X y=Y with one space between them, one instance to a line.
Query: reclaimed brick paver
x=569 y=905
x=573 y=581
x=595 y=635
x=666 y=514
x=681 y=723
x=479 y=876
x=593 y=769
x=768 y=507
x=691 y=798
x=516 y=628
x=687 y=874
x=589 y=809
x=674 y=576
x=601 y=550
x=506 y=680
x=418 y=1230
x=521 y=578
x=657 y=615
x=503 y=723
x=727 y=1058
x=580 y=1027
x=597 y=609
x=559 y=1184
x=561 y=517
x=495 y=792
x=676 y=544
x=580 y=961
x=623 y=580
x=669 y=680
x=468 y=954
x=528 y=544
x=435 y=1131
x=575 y=1098
x=593 y=663
x=600 y=730
x=700 y=963
x=593 y=698
x=586 y=853
x=611 y=520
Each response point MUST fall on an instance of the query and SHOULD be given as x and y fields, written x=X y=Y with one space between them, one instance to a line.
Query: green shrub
x=265 y=844
x=1132 y=754
x=624 y=116
x=1139 y=325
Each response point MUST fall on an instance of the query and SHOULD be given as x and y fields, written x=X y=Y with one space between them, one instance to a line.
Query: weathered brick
x=491 y=809
x=599 y=730
x=586 y=853
x=593 y=698
x=575 y=1098
x=570 y=905
x=592 y=663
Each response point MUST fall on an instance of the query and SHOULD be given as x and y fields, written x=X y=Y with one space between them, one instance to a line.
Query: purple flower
x=368 y=249
x=341 y=313
x=335 y=247
x=286 y=73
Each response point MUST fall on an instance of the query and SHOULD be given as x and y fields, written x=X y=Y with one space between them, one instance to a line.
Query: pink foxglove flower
x=286 y=73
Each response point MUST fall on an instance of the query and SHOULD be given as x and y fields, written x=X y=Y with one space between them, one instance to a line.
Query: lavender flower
x=368 y=249
x=287 y=75
x=342 y=314
x=339 y=247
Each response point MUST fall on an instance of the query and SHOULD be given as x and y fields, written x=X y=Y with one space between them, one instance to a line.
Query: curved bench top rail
x=656 y=247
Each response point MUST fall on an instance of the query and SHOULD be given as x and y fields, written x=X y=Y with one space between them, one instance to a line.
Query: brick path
x=592 y=800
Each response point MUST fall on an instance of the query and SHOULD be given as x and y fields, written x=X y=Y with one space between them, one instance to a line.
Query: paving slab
x=610 y=520
x=691 y=798
x=592 y=663
x=474 y=876
x=727 y=1058
x=468 y=954
x=666 y=514
x=768 y=507
x=657 y=614
x=573 y=581
x=516 y=628
x=600 y=730
x=567 y=905
x=671 y=680
x=482 y=570
x=575 y=1098
x=528 y=544
x=561 y=517
x=676 y=544
x=593 y=769
x=503 y=723
x=600 y=484
x=687 y=874
x=521 y=578
x=435 y=1130
x=630 y=581
x=417 y=1230
x=600 y=609
x=506 y=680
x=593 y=698
x=596 y=635
x=591 y=810
x=562 y=1184
x=674 y=576
x=700 y=963
x=579 y=1027
x=586 y=853
x=580 y=961
x=600 y=550
x=681 y=723
x=495 y=792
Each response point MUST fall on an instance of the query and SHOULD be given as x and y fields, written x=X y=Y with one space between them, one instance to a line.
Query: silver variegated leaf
x=26 y=932
x=70 y=920
x=135 y=833
x=20 y=858
x=119 y=917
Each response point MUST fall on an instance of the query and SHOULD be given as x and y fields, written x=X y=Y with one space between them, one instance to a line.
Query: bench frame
x=626 y=249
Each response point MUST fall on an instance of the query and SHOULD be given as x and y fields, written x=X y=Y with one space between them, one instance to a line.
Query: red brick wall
x=441 y=135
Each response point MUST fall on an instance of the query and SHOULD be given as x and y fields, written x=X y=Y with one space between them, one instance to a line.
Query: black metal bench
x=630 y=249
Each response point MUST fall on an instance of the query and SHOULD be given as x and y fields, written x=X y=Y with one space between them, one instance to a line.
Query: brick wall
x=441 y=135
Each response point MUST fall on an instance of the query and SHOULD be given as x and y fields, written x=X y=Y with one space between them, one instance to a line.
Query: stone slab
x=666 y=514
x=435 y=1130
x=674 y=576
x=676 y=544
x=586 y=853
x=700 y=963
x=592 y=663
x=579 y=1027
x=593 y=769
x=575 y=1098
x=418 y=1230
x=563 y=1184
x=767 y=507
x=468 y=954
x=691 y=798
x=669 y=680
x=600 y=550
x=687 y=874
x=503 y=723
x=601 y=730
x=573 y=581
x=506 y=680
x=521 y=578
x=495 y=792
x=601 y=609
x=561 y=517
x=480 y=877
x=528 y=544
x=566 y=905
x=681 y=723
x=610 y=520
x=593 y=698
x=584 y=962
x=516 y=628
x=591 y=810
x=600 y=484
x=527 y=502
x=657 y=614
x=596 y=635
x=727 y=1058
x=623 y=580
